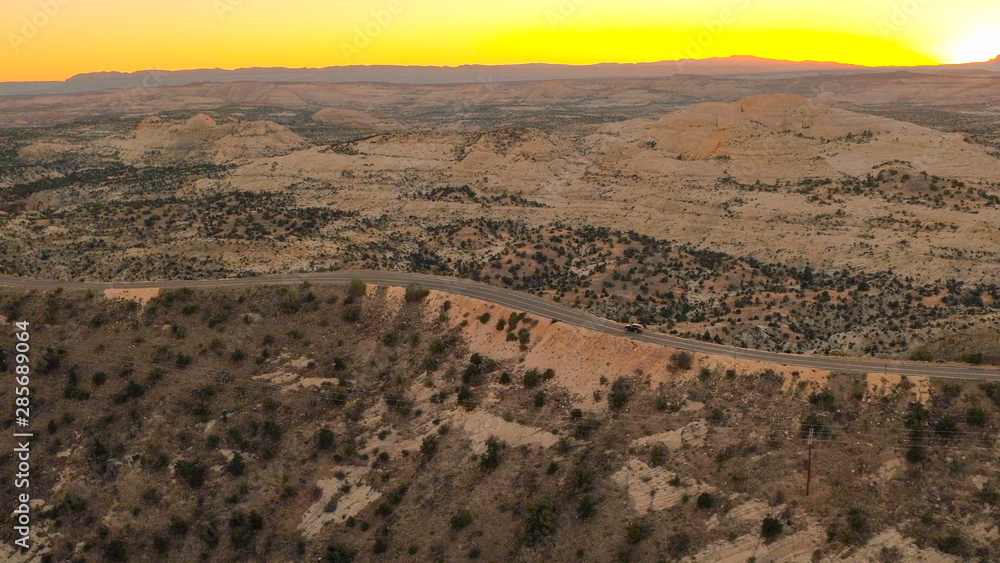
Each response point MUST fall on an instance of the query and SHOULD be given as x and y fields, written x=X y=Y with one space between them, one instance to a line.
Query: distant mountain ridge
x=737 y=65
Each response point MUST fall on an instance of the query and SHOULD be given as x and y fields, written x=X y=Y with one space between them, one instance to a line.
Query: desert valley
x=842 y=214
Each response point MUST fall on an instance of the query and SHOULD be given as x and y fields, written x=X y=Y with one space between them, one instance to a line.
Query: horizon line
x=509 y=65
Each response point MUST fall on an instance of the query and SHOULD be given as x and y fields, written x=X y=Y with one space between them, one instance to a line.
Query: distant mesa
x=780 y=136
x=466 y=74
x=201 y=138
x=355 y=119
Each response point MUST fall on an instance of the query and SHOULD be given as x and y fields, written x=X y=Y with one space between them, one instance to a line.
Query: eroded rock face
x=201 y=138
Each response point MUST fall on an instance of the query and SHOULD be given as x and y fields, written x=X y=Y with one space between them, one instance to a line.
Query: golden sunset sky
x=55 y=39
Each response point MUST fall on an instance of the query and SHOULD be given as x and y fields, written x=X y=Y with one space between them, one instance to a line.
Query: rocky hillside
x=366 y=424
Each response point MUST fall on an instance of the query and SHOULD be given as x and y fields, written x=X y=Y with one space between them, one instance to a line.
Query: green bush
x=678 y=545
x=636 y=532
x=193 y=473
x=824 y=398
x=921 y=356
x=531 y=378
x=116 y=551
x=705 y=501
x=351 y=313
x=357 y=288
x=324 y=439
x=460 y=520
x=914 y=454
x=620 y=393
x=947 y=426
x=681 y=360
x=429 y=446
x=415 y=293
x=976 y=416
x=236 y=466
x=771 y=528
x=491 y=458
x=339 y=553
x=657 y=455
x=539 y=520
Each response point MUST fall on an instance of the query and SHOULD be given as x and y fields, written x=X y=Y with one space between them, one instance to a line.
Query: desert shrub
x=356 y=288
x=657 y=455
x=678 y=545
x=771 y=528
x=974 y=359
x=992 y=390
x=243 y=528
x=824 y=398
x=338 y=553
x=437 y=346
x=484 y=318
x=461 y=519
x=819 y=426
x=539 y=520
x=946 y=427
x=429 y=446
x=953 y=544
x=539 y=399
x=178 y=526
x=415 y=293
x=531 y=378
x=351 y=313
x=324 y=439
x=636 y=532
x=161 y=544
x=116 y=551
x=619 y=394
x=236 y=466
x=915 y=454
x=976 y=416
x=857 y=531
x=681 y=360
x=193 y=473
x=490 y=459
x=705 y=501
x=921 y=356
x=272 y=430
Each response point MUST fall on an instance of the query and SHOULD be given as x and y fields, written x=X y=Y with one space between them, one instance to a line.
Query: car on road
x=634 y=327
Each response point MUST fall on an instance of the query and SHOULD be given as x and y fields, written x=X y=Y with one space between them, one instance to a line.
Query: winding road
x=542 y=308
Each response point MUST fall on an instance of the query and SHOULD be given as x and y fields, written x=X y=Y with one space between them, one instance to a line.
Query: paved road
x=543 y=308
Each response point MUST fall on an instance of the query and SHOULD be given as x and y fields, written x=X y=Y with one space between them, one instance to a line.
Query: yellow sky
x=55 y=39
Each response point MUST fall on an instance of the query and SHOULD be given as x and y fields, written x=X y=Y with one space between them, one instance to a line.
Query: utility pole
x=809 y=466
